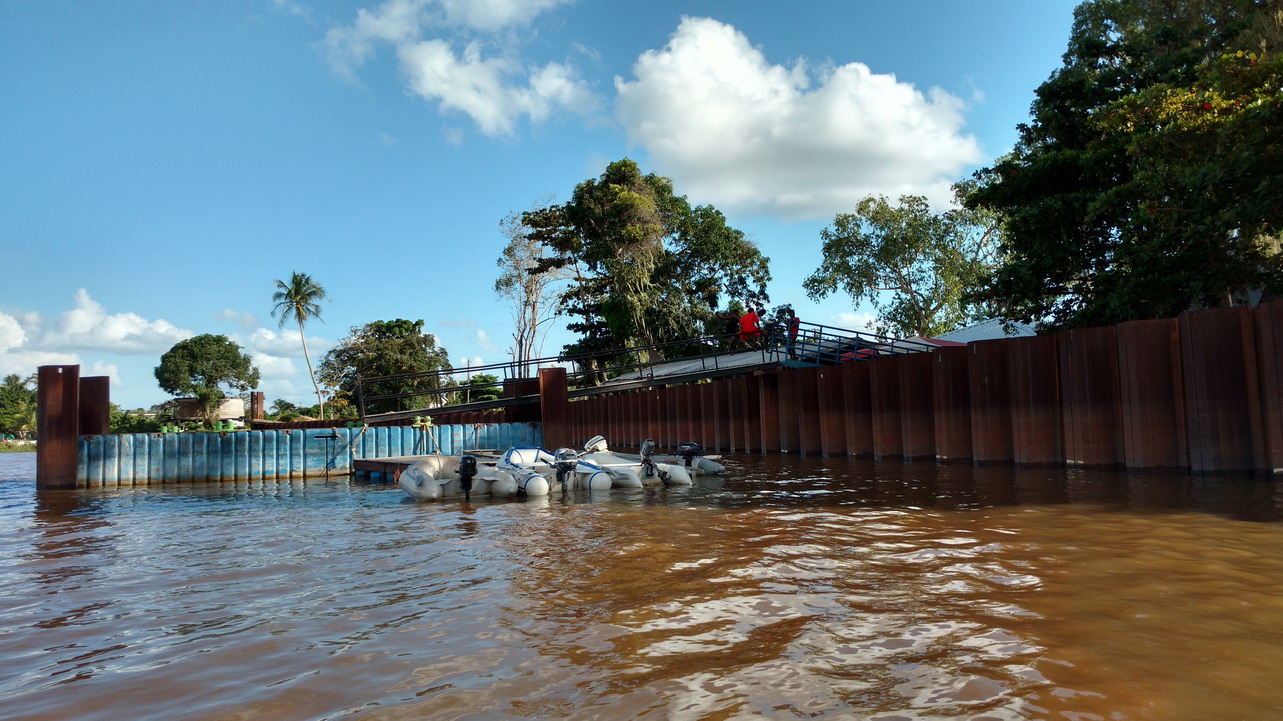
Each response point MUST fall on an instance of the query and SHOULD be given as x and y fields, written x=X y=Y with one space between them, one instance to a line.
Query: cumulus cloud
x=111 y=370
x=740 y=132
x=483 y=339
x=11 y=333
x=286 y=344
x=243 y=319
x=855 y=321
x=275 y=367
x=457 y=54
x=88 y=327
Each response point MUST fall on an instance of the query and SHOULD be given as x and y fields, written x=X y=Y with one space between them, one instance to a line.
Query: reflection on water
x=791 y=588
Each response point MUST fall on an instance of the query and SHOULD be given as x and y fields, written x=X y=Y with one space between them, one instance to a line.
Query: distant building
x=188 y=409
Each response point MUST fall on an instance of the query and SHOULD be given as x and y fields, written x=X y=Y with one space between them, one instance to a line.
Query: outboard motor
x=565 y=461
x=648 y=458
x=467 y=470
x=689 y=451
x=596 y=444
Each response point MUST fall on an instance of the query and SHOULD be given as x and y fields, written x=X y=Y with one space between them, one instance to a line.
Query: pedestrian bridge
x=594 y=374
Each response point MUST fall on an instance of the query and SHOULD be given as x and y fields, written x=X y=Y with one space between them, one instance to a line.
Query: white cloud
x=98 y=368
x=495 y=89
x=275 y=367
x=739 y=132
x=293 y=8
x=11 y=333
x=285 y=344
x=855 y=321
x=88 y=327
x=243 y=319
x=484 y=340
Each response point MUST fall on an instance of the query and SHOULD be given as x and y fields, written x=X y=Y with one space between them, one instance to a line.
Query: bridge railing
x=813 y=344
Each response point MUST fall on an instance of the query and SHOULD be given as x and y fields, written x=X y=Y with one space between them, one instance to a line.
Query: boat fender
x=467 y=471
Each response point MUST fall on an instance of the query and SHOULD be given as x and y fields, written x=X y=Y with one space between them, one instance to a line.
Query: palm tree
x=300 y=299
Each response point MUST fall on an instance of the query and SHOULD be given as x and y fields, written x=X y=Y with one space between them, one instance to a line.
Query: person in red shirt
x=750 y=328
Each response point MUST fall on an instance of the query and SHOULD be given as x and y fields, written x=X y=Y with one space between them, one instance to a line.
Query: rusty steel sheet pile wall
x=1152 y=403
x=951 y=398
x=1036 y=437
x=1200 y=392
x=917 y=406
x=1269 y=353
x=1090 y=387
x=1222 y=393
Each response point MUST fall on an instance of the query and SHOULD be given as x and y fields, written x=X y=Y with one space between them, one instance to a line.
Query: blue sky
x=162 y=163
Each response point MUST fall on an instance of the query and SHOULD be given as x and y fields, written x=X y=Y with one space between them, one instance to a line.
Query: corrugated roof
x=987 y=330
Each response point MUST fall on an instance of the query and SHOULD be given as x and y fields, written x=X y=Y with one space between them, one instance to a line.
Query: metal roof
x=987 y=330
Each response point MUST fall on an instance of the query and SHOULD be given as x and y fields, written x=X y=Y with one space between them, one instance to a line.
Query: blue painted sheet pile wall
x=139 y=458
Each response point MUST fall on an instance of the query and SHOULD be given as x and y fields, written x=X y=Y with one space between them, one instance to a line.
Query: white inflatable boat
x=434 y=477
x=689 y=456
x=537 y=472
x=636 y=470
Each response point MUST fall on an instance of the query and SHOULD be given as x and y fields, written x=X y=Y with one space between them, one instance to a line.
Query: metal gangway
x=684 y=361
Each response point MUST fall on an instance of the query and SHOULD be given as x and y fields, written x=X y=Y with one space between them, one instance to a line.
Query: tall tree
x=1081 y=245
x=201 y=366
x=915 y=266
x=529 y=281
x=648 y=268
x=388 y=348
x=17 y=405
x=300 y=300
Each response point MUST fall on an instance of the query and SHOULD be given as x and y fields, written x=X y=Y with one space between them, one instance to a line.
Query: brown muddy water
x=789 y=588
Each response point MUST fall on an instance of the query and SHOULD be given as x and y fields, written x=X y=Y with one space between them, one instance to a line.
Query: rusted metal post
x=95 y=406
x=554 y=406
x=57 y=423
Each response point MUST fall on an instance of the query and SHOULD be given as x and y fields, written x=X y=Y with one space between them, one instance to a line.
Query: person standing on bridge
x=750 y=328
x=794 y=324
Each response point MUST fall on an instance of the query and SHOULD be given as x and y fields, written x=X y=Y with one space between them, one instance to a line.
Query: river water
x=789 y=588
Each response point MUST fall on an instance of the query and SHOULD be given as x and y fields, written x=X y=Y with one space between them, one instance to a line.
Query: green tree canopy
x=18 y=405
x=299 y=300
x=647 y=267
x=915 y=266
x=1147 y=182
x=481 y=387
x=202 y=366
x=385 y=348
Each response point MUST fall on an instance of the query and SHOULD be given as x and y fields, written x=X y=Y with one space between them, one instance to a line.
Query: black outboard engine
x=467 y=470
x=648 y=458
x=565 y=461
x=689 y=451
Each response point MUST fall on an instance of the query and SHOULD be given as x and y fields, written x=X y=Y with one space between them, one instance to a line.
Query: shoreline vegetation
x=18 y=447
